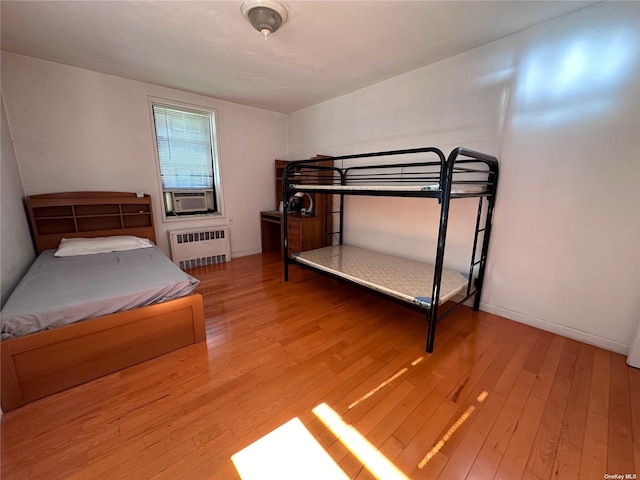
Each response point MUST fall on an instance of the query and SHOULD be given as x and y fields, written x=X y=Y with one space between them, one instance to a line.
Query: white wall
x=559 y=105
x=16 y=247
x=75 y=129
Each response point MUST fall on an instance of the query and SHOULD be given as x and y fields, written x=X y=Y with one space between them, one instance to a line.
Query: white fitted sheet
x=58 y=291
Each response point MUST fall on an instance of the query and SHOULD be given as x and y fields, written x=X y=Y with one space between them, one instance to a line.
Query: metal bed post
x=445 y=200
x=343 y=181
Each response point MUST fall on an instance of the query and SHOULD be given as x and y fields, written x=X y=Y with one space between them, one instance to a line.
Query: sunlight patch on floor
x=385 y=383
x=379 y=387
x=417 y=361
x=445 y=438
x=290 y=452
x=372 y=459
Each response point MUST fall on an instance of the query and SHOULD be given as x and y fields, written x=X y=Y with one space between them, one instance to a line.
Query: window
x=187 y=159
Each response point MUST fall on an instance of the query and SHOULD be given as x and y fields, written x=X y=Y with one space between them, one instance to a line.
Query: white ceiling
x=326 y=48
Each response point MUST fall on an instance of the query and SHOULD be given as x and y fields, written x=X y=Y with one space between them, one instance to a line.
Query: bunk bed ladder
x=482 y=261
x=474 y=250
x=331 y=234
x=485 y=246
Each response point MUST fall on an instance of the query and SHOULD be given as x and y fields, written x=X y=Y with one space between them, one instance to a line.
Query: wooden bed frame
x=47 y=362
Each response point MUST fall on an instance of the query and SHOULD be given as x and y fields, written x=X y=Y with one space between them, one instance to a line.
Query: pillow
x=88 y=246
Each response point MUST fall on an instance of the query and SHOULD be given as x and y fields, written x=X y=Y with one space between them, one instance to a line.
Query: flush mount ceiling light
x=266 y=16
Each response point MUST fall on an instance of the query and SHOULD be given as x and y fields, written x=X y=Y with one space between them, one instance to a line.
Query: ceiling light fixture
x=266 y=16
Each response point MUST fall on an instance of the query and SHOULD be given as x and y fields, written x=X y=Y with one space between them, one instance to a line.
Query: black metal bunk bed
x=419 y=173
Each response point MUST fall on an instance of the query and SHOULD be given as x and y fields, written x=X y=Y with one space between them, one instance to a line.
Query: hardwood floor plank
x=547 y=371
x=92 y=414
x=545 y=446
x=342 y=397
x=332 y=388
x=595 y=445
x=102 y=467
x=386 y=405
x=516 y=364
x=366 y=395
x=227 y=473
x=488 y=459
x=364 y=474
x=85 y=447
x=539 y=352
x=353 y=467
x=487 y=350
x=620 y=453
x=420 y=416
x=481 y=421
x=381 y=434
x=487 y=384
x=514 y=461
x=634 y=400
x=432 y=469
x=206 y=461
x=424 y=439
x=573 y=427
x=599 y=392
x=152 y=461
x=567 y=462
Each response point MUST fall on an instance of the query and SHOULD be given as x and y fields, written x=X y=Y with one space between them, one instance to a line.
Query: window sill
x=194 y=217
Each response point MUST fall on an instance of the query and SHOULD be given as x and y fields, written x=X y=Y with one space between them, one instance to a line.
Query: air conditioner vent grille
x=184 y=202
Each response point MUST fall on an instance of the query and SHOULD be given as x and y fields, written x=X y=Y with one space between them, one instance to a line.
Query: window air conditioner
x=189 y=201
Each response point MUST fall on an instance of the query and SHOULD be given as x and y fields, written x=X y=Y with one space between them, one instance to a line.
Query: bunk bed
x=416 y=173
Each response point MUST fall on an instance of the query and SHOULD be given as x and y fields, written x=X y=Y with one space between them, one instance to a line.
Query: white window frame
x=217 y=178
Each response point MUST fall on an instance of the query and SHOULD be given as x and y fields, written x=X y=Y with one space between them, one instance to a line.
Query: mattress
x=407 y=280
x=58 y=291
x=455 y=188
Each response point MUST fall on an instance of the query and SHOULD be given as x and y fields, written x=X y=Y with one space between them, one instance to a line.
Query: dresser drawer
x=295 y=242
x=295 y=235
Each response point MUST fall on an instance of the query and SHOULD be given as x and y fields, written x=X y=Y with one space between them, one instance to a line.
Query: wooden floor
x=309 y=358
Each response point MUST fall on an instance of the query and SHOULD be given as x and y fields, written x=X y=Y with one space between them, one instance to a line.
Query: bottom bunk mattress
x=58 y=291
x=404 y=279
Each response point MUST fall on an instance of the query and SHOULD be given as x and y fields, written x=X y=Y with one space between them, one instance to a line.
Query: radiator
x=200 y=247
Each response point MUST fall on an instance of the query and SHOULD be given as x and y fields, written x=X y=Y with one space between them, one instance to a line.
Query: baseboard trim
x=568 y=332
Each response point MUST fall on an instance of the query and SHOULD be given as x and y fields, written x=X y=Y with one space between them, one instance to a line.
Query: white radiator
x=200 y=247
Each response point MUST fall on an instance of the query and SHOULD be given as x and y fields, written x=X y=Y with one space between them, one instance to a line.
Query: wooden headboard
x=55 y=216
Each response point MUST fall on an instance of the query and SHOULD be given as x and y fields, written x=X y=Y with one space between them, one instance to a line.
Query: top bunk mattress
x=58 y=291
x=456 y=189
x=407 y=280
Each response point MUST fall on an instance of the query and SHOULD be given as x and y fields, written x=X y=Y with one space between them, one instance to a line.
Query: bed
x=417 y=173
x=145 y=306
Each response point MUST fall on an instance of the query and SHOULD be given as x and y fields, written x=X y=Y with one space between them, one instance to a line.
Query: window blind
x=184 y=148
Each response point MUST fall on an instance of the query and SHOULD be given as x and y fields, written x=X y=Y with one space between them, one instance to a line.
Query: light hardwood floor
x=496 y=399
